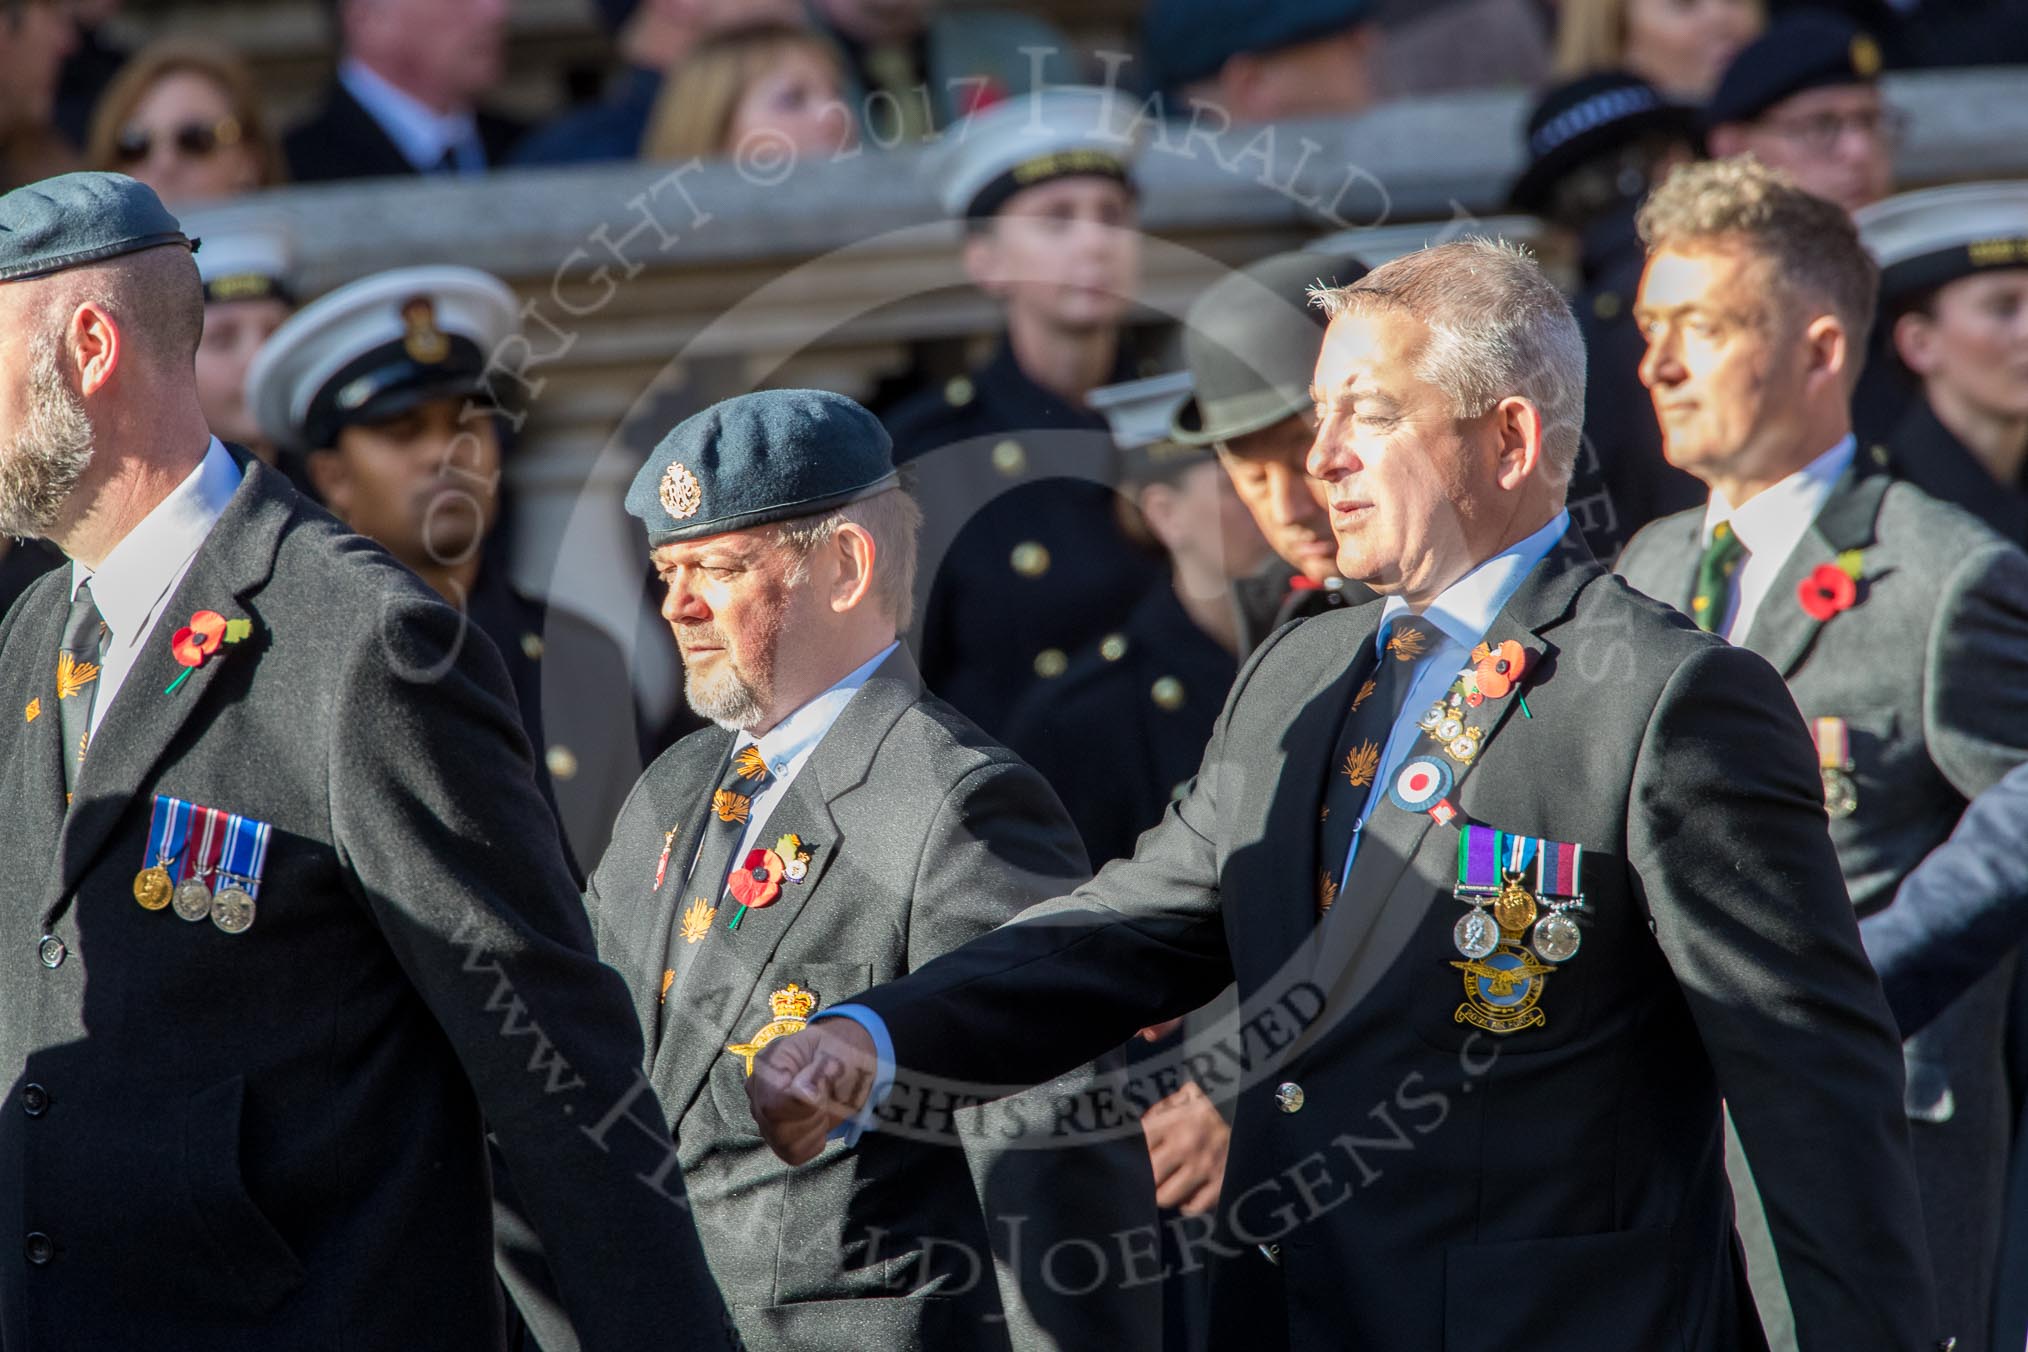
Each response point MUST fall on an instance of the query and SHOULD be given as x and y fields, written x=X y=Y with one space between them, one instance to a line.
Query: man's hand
x=1187 y=1140
x=805 y=1084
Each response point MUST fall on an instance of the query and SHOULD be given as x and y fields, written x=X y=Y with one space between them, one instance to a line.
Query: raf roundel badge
x=1419 y=784
x=681 y=494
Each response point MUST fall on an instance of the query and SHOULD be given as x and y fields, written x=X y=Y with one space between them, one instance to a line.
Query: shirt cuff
x=883 y=1068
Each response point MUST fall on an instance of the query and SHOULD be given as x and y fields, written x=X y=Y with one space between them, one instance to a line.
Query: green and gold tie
x=1715 y=571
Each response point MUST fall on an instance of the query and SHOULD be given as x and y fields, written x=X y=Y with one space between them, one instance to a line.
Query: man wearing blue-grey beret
x=288 y=928
x=839 y=827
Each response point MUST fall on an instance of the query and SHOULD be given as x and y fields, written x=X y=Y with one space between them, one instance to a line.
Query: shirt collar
x=788 y=743
x=1466 y=609
x=1773 y=521
x=131 y=583
x=420 y=134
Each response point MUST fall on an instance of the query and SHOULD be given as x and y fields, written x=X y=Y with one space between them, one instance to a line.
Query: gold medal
x=192 y=899
x=1514 y=908
x=152 y=888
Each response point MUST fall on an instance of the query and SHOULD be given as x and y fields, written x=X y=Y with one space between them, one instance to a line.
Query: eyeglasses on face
x=1821 y=132
x=193 y=139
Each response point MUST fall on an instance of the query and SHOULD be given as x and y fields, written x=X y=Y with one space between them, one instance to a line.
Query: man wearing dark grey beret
x=288 y=928
x=840 y=827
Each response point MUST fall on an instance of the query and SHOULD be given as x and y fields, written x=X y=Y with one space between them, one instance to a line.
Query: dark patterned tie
x=1715 y=571
x=1376 y=703
x=77 y=680
x=697 y=903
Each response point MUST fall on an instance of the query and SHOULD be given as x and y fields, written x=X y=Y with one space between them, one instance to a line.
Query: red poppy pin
x=1831 y=587
x=194 y=644
x=755 y=883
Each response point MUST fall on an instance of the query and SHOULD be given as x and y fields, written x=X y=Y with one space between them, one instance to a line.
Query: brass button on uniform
x=1051 y=663
x=1167 y=693
x=1113 y=647
x=958 y=391
x=1009 y=458
x=51 y=951
x=532 y=646
x=562 y=762
x=1030 y=558
x=1289 y=1096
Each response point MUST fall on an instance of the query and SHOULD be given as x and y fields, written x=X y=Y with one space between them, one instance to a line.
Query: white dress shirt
x=787 y=746
x=420 y=134
x=1771 y=524
x=135 y=581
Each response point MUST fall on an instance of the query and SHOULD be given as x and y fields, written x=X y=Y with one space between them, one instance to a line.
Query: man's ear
x=856 y=554
x=94 y=344
x=1517 y=425
x=1830 y=348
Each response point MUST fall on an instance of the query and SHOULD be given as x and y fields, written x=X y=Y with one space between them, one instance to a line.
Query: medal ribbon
x=1479 y=860
x=1834 y=743
x=1560 y=872
x=1517 y=852
x=246 y=853
x=168 y=832
x=208 y=826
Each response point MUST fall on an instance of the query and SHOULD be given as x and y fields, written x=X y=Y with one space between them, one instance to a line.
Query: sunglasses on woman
x=194 y=139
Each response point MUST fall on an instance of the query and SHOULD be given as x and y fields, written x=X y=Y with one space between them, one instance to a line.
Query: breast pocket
x=784 y=999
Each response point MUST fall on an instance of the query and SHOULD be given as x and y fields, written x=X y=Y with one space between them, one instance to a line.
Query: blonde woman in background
x=773 y=87
x=1679 y=46
x=183 y=116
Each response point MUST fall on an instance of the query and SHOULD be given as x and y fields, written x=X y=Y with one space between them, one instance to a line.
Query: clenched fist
x=805 y=1084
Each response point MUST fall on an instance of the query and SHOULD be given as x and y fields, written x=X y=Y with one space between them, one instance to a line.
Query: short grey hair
x=893 y=520
x=1498 y=327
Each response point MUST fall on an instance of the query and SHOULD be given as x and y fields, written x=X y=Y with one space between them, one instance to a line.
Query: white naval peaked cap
x=249 y=253
x=376 y=348
x=1056 y=132
x=1924 y=239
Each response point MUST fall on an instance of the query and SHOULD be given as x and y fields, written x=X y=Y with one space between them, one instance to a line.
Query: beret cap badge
x=681 y=494
x=1866 y=59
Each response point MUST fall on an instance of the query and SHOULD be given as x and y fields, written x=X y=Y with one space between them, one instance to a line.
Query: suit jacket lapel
x=1377 y=913
x=232 y=565
x=721 y=985
x=696 y=770
x=35 y=784
x=1782 y=631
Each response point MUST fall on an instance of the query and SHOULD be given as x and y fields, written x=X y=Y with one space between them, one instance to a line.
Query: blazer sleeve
x=437 y=818
x=1000 y=841
x=1733 y=862
x=1960 y=912
x=1072 y=978
x=1975 y=695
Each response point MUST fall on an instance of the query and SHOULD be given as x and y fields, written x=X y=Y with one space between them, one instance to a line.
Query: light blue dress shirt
x=1461 y=615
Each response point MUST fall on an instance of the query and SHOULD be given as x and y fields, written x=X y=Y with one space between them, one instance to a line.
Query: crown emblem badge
x=792 y=1006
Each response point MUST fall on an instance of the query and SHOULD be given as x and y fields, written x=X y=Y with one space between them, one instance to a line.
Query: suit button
x=1289 y=1096
x=51 y=951
x=34 y=1100
x=40 y=1248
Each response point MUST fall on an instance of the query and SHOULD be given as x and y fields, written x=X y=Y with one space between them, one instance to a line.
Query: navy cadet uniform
x=1125 y=726
x=1593 y=143
x=380 y=347
x=1024 y=557
x=1923 y=242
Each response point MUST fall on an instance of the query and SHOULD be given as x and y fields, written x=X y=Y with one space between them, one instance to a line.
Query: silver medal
x=192 y=899
x=1475 y=934
x=232 y=910
x=1556 y=937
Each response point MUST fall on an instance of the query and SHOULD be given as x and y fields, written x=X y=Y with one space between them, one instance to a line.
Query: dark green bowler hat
x=1251 y=343
x=770 y=456
x=74 y=219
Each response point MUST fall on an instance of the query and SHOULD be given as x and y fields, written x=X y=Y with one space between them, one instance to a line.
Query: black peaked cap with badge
x=769 y=456
x=1590 y=116
x=1802 y=49
x=76 y=219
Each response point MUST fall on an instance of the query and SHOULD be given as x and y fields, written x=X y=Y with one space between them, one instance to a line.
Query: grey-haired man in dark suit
x=1899 y=622
x=287 y=926
x=1517 y=874
x=840 y=826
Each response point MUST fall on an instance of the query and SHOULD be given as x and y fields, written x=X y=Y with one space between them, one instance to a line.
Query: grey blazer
x=1929 y=669
x=1426 y=1184
x=241 y=1142
x=922 y=833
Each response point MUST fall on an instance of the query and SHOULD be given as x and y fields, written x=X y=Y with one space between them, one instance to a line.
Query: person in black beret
x=1261 y=63
x=1805 y=98
x=1024 y=557
x=1954 y=310
x=1595 y=146
x=291 y=928
x=377 y=394
x=839 y=826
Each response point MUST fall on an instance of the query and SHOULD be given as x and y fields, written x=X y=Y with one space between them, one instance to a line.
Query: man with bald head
x=1517 y=873
x=273 y=967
